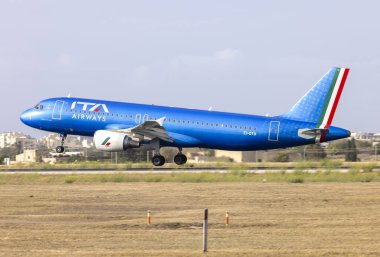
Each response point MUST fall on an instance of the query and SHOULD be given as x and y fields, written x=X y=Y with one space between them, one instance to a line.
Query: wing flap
x=148 y=130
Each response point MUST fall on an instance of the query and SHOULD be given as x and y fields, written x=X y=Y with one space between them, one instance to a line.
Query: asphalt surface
x=161 y=171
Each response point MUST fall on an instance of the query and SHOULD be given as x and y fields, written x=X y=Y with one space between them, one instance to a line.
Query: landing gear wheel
x=180 y=159
x=158 y=160
x=60 y=149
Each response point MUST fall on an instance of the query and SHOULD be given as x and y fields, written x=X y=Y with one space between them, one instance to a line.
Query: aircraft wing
x=148 y=130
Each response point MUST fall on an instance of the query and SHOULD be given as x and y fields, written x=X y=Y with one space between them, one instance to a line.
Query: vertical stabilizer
x=320 y=103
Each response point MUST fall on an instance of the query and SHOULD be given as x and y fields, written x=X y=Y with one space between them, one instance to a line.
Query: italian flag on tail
x=332 y=100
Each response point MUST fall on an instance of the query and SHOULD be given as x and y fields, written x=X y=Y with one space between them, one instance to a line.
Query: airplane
x=118 y=126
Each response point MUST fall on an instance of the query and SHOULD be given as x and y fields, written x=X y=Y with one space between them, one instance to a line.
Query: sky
x=254 y=57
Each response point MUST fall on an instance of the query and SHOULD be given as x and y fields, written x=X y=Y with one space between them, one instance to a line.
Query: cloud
x=139 y=76
x=222 y=57
x=64 y=59
x=227 y=55
x=141 y=71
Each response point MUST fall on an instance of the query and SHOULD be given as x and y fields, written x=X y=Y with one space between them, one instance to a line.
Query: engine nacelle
x=113 y=141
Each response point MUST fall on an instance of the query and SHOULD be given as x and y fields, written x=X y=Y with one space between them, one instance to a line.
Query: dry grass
x=267 y=219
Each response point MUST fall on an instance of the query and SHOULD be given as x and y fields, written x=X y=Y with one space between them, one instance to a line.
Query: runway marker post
x=227 y=219
x=148 y=217
x=205 y=223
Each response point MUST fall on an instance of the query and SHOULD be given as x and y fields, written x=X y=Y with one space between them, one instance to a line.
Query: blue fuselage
x=188 y=127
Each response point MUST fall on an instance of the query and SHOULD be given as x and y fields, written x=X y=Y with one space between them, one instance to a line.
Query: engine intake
x=113 y=141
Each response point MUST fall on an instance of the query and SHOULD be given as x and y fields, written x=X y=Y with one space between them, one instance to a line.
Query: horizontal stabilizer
x=318 y=134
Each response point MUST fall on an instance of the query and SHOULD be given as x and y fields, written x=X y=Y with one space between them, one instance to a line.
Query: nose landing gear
x=61 y=148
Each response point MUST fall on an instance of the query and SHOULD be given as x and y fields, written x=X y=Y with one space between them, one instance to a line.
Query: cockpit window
x=39 y=107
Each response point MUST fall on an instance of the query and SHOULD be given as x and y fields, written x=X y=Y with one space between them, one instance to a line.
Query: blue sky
x=255 y=57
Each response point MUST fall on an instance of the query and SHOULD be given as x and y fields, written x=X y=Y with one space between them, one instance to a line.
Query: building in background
x=237 y=156
x=29 y=155
x=53 y=140
x=364 y=136
x=8 y=139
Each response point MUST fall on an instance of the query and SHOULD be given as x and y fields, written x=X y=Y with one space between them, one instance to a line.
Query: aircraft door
x=274 y=129
x=57 y=110
x=138 y=118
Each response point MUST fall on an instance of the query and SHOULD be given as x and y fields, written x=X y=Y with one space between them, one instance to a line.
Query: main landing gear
x=61 y=148
x=179 y=159
x=158 y=160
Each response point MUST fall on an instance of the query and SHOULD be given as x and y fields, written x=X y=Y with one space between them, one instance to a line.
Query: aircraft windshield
x=39 y=107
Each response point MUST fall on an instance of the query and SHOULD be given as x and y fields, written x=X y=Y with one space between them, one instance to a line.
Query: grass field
x=267 y=219
x=297 y=176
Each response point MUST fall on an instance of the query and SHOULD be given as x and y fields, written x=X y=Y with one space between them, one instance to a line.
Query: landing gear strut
x=180 y=158
x=157 y=159
x=61 y=148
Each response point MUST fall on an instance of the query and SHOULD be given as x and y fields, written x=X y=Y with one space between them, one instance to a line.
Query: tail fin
x=320 y=103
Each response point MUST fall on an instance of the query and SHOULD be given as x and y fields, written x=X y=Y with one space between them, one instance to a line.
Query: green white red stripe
x=333 y=97
x=106 y=143
x=332 y=101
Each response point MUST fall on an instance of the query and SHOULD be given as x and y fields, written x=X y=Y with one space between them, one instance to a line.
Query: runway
x=259 y=170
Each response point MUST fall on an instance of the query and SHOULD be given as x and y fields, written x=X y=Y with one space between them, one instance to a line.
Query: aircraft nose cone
x=26 y=117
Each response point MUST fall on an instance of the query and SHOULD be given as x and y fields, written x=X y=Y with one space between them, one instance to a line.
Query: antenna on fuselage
x=210 y=109
x=69 y=95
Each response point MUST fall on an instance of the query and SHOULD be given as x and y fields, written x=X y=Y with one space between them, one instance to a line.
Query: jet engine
x=113 y=141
